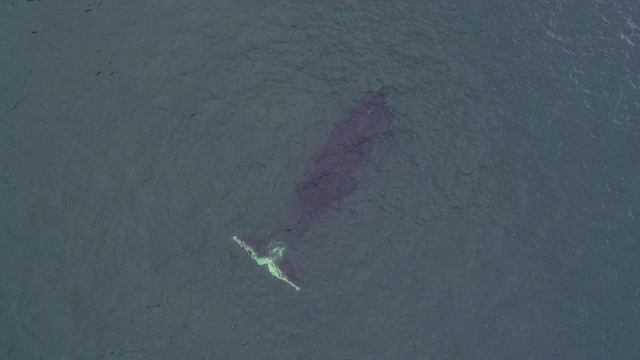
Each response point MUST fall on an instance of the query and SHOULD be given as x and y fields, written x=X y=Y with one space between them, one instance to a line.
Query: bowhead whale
x=329 y=178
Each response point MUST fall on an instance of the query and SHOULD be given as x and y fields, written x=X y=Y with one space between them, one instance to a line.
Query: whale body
x=329 y=178
x=330 y=174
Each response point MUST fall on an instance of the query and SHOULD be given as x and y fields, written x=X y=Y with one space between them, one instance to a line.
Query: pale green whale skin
x=272 y=260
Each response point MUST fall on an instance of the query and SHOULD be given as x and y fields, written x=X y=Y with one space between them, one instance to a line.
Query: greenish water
x=498 y=219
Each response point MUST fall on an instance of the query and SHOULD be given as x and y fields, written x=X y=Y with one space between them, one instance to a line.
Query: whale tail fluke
x=273 y=259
